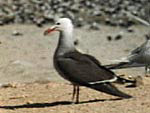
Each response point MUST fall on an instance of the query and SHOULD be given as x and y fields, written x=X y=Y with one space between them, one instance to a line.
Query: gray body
x=139 y=57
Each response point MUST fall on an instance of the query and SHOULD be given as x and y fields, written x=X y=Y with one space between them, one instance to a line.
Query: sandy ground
x=26 y=63
x=56 y=97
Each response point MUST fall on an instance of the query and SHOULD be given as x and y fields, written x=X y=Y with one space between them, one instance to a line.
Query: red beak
x=49 y=30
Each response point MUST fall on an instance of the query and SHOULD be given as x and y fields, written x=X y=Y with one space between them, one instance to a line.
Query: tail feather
x=110 y=89
x=117 y=66
x=122 y=65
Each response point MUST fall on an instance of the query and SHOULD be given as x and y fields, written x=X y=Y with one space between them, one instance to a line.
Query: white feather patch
x=104 y=81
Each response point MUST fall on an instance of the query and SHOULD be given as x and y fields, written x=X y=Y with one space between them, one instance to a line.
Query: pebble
x=76 y=42
x=40 y=12
x=16 y=33
x=1 y=23
x=130 y=30
x=118 y=37
x=29 y=102
x=95 y=26
x=109 y=38
x=9 y=85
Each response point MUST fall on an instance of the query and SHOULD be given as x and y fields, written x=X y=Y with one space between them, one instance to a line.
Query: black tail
x=110 y=89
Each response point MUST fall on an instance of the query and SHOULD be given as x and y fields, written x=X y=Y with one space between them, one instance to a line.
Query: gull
x=79 y=68
x=139 y=57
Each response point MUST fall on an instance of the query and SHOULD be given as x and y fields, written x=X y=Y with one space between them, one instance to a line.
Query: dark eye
x=58 y=23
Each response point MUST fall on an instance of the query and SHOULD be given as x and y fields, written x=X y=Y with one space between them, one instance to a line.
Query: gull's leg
x=74 y=92
x=146 y=67
x=147 y=71
x=77 y=96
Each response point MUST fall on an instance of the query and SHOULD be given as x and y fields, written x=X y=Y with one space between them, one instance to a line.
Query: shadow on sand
x=53 y=104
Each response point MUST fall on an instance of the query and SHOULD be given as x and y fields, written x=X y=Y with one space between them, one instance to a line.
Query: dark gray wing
x=81 y=68
x=93 y=59
x=85 y=70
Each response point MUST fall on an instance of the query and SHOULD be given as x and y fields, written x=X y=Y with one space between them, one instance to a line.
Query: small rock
x=16 y=33
x=79 y=22
x=118 y=37
x=122 y=75
x=121 y=23
x=109 y=38
x=130 y=30
x=76 y=42
x=130 y=77
x=29 y=102
x=107 y=21
x=9 y=85
x=95 y=26
x=1 y=23
x=39 y=24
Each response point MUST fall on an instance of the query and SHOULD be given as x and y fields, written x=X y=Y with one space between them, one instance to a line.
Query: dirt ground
x=29 y=83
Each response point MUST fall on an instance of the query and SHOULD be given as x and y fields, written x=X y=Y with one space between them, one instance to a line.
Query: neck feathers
x=66 y=42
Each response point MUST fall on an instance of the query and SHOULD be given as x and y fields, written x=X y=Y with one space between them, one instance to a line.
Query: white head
x=66 y=40
x=61 y=25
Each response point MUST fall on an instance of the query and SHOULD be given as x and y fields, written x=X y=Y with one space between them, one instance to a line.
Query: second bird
x=139 y=57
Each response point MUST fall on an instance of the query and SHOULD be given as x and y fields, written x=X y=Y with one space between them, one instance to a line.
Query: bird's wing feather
x=81 y=67
x=82 y=70
x=93 y=59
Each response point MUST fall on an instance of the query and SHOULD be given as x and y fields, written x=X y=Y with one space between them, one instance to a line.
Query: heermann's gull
x=139 y=57
x=78 y=68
